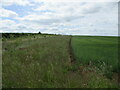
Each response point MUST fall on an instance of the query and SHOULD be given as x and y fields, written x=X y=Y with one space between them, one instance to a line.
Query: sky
x=67 y=17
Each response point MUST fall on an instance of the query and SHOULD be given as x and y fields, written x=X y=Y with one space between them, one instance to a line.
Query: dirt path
x=72 y=58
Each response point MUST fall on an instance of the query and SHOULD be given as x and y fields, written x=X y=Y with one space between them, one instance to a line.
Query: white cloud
x=12 y=26
x=49 y=18
x=16 y=2
x=7 y=13
x=70 y=7
x=6 y=25
x=76 y=1
x=61 y=12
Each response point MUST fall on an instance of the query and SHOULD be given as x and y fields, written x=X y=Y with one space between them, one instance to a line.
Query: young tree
x=39 y=32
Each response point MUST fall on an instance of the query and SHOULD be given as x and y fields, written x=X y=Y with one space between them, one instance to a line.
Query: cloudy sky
x=63 y=17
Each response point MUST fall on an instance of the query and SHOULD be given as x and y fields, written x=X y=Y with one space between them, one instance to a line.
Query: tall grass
x=37 y=63
x=34 y=63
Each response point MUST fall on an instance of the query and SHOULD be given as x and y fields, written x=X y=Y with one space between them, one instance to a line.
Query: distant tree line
x=15 y=35
x=11 y=35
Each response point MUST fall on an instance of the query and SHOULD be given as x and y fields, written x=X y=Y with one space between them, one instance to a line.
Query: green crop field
x=97 y=51
x=44 y=61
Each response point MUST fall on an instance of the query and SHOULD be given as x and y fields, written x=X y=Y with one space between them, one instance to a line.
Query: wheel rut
x=72 y=57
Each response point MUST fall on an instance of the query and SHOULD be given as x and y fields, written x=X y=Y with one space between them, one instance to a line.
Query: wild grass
x=35 y=63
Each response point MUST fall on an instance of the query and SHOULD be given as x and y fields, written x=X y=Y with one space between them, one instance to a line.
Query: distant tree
x=39 y=33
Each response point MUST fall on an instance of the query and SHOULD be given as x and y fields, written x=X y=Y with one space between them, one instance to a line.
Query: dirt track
x=72 y=58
